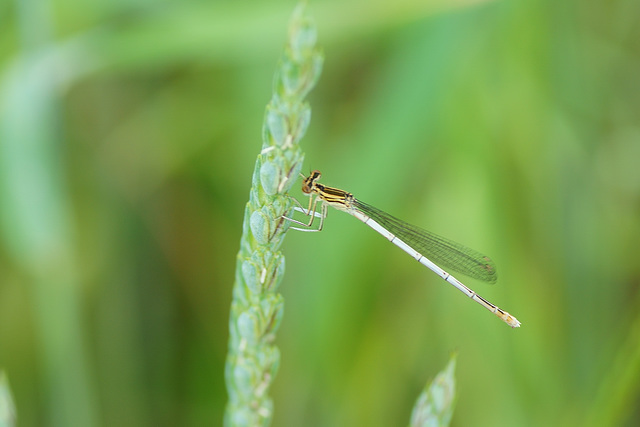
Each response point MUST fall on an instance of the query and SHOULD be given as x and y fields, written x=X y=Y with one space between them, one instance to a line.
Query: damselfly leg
x=310 y=212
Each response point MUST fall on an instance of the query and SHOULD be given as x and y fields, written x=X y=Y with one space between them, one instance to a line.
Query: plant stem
x=435 y=404
x=256 y=308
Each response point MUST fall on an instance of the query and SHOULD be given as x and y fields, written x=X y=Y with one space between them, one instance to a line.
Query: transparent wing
x=446 y=253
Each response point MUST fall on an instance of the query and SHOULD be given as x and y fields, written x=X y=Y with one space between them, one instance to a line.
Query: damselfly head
x=309 y=182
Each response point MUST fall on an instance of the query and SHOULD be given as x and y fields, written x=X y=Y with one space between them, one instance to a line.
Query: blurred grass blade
x=617 y=396
x=434 y=407
x=256 y=309
x=37 y=218
x=7 y=407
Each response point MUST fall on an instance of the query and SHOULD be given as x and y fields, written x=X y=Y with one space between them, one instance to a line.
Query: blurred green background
x=128 y=136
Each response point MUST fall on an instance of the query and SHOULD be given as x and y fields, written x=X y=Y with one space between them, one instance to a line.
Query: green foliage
x=256 y=309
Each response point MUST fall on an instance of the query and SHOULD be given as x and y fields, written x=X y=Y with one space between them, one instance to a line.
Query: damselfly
x=427 y=248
